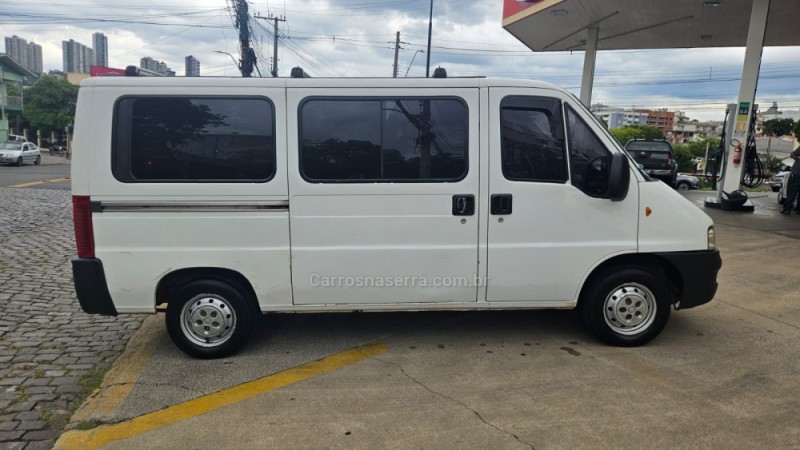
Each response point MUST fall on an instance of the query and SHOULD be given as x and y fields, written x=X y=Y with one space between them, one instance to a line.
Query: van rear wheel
x=626 y=307
x=209 y=319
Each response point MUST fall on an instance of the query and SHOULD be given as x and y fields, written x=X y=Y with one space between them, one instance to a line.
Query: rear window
x=649 y=146
x=193 y=139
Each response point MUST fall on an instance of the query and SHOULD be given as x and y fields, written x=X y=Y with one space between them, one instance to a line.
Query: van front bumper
x=698 y=270
x=91 y=286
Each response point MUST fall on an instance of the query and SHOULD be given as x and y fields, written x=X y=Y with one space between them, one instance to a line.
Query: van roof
x=123 y=81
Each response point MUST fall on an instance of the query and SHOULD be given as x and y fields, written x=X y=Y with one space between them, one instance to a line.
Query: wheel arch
x=655 y=264
x=170 y=283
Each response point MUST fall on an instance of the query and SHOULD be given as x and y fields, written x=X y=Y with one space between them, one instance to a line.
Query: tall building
x=100 y=46
x=159 y=67
x=27 y=54
x=76 y=57
x=192 y=67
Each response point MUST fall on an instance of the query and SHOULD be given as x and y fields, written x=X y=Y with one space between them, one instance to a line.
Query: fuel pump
x=742 y=156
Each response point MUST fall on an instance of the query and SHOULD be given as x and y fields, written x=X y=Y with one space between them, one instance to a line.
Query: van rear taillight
x=84 y=233
x=669 y=159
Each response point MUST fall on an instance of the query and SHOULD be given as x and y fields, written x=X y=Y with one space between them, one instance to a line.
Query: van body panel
x=83 y=144
x=382 y=242
x=174 y=225
x=556 y=233
x=675 y=224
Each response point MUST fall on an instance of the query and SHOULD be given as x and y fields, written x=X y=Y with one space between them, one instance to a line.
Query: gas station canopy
x=559 y=25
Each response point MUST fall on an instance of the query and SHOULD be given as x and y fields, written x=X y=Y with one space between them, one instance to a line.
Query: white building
x=100 y=45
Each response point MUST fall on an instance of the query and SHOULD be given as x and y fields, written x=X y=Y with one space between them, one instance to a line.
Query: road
x=54 y=175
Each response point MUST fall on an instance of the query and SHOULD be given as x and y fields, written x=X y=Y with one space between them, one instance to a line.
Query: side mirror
x=619 y=177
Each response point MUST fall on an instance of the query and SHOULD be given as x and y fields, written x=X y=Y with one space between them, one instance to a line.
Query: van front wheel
x=626 y=307
x=209 y=319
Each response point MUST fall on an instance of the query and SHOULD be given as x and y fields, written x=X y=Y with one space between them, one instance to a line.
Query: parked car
x=19 y=153
x=784 y=186
x=686 y=182
x=380 y=219
x=776 y=181
x=656 y=159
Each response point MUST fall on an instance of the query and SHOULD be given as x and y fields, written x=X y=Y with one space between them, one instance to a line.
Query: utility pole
x=248 y=55
x=430 y=30
x=396 y=54
x=275 y=21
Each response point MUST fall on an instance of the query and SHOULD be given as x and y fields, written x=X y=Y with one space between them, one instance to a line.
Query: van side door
x=550 y=219
x=383 y=186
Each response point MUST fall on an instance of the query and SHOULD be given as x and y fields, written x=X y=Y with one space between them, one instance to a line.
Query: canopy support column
x=747 y=93
x=588 y=66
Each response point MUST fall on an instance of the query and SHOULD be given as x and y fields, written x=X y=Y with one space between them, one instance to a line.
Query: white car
x=19 y=153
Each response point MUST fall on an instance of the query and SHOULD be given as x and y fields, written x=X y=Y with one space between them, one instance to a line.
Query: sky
x=351 y=38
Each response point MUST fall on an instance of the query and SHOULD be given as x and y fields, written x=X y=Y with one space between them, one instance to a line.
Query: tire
x=606 y=306
x=776 y=188
x=683 y=186
x=19 y=161
x=209 y=306
x=781 y=199
x=38 y=160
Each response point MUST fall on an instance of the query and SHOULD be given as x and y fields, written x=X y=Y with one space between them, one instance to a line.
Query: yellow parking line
x=120 y=380
x=111 y=433
x=34 y=183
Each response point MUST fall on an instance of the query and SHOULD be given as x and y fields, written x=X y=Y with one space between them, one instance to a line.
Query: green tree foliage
x=778 y=127
x=797 y=129
x=686 y=154
x=771 y=162
x=47 y=103
x=684 y=157
x=625 y=134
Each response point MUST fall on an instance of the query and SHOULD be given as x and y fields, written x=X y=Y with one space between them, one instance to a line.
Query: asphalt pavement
x=53 y=173
x=721 y=375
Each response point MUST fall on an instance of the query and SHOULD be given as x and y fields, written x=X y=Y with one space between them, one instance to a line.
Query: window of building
x=193 y=139
x=349 y=140
x=532 y=139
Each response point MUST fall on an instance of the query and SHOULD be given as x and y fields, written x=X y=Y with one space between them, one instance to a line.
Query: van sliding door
x=383 y=196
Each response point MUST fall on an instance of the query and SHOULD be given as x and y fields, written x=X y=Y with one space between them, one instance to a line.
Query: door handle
x=463 y=205
x=501 y=204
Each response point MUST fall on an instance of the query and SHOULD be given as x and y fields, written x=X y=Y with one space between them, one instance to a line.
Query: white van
x=227 y=198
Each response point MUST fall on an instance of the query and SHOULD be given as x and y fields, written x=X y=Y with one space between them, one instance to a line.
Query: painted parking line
x=121 y=378
x=34 y=183
x=107 y=434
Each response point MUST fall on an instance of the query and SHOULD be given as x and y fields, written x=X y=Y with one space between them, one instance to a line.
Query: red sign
x=511 y=7
x=97 y=71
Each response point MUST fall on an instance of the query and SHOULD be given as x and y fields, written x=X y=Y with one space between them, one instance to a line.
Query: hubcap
x=208 y=320
x=630 y=309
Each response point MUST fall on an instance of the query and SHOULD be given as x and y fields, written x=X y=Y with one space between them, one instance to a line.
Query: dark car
x=687 y=182
x=655 y=158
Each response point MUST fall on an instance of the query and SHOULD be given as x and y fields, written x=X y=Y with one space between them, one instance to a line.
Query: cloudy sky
x=356 y=38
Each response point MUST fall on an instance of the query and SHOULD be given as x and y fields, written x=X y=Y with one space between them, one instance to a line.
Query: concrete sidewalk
x=721 y=375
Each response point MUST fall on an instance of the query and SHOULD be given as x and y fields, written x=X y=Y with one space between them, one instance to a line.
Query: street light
x=412 y=61
x=234 y=59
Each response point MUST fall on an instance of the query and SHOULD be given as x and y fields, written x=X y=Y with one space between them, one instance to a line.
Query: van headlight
x=712 y=238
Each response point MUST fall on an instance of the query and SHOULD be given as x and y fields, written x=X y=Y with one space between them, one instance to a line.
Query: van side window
x=589 y=158
x=405 y=139
x=193 y=139
x=532 y=139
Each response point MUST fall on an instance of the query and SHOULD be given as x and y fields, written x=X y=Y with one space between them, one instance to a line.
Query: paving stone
x=68 y=388
x=39 y=445
x=6 y=436
x=28 y=415
x=18 y=445
x=8 y=425
x=21 y=406
x=31 y=425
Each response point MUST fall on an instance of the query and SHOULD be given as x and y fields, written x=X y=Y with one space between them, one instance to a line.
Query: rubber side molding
x=91 y=286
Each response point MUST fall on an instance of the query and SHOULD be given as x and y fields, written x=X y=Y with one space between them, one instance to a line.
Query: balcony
x=11 y=103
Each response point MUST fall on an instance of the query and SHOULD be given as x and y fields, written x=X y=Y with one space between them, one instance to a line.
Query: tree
x=797 y=130
x=684 y=157
x=625 y=134
x=47 y=104
x=778 y=127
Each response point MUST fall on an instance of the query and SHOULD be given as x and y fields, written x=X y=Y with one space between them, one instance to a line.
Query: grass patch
x=20 y=398
x=38 y=373
x=91 y=381
x=87 y=425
